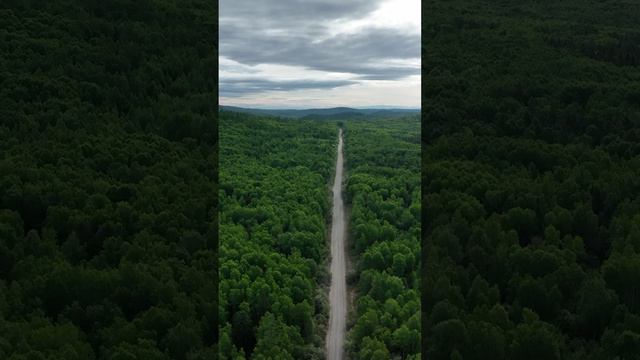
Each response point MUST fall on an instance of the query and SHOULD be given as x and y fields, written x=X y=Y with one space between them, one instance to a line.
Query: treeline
x=383 y=191
x=274 y=207
x=531 y=181
x=108 y=187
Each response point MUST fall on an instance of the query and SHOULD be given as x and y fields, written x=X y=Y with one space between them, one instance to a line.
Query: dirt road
x=338 y=290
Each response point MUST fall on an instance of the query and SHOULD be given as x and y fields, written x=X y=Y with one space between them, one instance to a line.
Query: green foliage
x=383 y=188
x=107 y=181
x=274 y=202
x=530 y=180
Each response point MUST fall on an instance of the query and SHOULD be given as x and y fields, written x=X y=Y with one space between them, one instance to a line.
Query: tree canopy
x=108 y=237
x=382 y=157
x=530 y=180
x=274 y=208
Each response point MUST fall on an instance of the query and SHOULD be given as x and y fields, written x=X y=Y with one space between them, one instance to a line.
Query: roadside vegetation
x=275 y=202
x=383 y=191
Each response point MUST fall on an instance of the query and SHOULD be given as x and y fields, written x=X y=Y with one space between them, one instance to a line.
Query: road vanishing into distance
x=338 y=290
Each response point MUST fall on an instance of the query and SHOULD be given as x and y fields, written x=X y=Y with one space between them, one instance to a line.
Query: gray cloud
x=283 y=13
x=296 y=33
x=356 y=53
x=235 y=87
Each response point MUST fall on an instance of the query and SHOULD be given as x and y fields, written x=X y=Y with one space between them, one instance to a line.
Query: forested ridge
x=531 y=177
x=108 y=190
x=274 y=208
x=383 y=189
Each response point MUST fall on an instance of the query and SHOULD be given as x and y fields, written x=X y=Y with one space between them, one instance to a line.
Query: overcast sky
x=319 y=53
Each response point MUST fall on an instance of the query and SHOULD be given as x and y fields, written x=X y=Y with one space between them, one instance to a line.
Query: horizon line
x=381 y=107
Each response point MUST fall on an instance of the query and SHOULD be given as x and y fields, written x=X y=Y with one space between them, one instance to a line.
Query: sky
x=319 y=53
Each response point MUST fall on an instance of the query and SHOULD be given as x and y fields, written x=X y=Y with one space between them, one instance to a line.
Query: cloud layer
x=293 y=45
x=231 y=87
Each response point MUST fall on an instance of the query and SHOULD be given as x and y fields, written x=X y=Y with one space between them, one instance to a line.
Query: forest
x=108 y=236
x=383 y=192
x=531 y=180
x=274 y=207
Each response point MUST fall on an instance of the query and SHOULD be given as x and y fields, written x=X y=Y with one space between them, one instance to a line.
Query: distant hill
x=336 y=112
x=337 y=116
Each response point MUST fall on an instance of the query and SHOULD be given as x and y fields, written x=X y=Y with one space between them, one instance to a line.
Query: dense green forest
x=274 y=207
x=383 y=190
x=531 y=180
x=108 y=190
x=275 y=177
